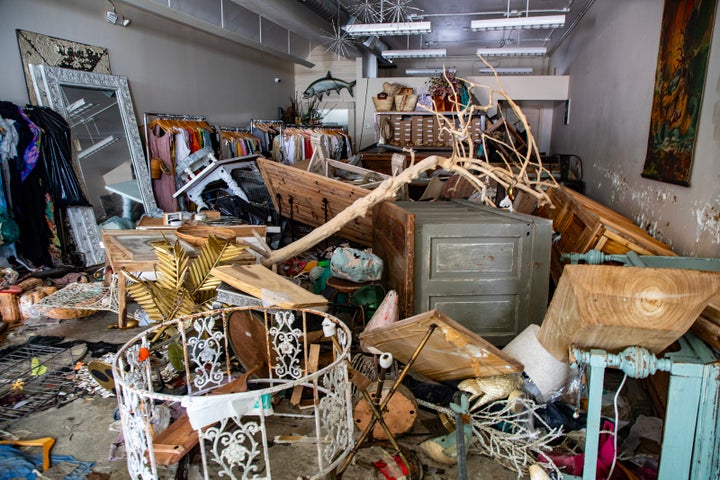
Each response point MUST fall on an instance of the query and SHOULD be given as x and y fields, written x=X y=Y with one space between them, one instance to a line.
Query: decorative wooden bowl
x=197 y=235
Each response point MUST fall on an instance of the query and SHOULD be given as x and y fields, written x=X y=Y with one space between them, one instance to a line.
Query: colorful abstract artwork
x=686 y=36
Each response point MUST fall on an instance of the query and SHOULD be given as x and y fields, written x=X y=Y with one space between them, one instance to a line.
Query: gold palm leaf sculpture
x=183 y=286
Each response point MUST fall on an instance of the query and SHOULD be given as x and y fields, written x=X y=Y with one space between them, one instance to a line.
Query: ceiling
x=278 y=26
x=451 y=19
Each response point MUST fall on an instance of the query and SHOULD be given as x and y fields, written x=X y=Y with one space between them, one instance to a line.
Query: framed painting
x=685 y=39
x=39 y=49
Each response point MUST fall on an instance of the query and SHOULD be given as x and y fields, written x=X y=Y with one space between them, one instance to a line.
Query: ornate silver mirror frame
x=48 y=82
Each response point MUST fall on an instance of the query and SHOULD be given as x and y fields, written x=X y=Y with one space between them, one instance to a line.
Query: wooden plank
x=394 y=243
x=712 y=311
x=248 y=338
x=312 y=366
x=173 y=443
x=707 y=331
x=314 y=199
x=254 y=279
x=241 y=230
x=613 y=307
x=452 y=353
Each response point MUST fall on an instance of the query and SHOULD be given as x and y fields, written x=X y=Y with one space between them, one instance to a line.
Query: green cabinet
x=486 y=268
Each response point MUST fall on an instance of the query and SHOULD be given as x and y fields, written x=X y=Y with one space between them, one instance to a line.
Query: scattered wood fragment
x=452 y=353
x=260 y=282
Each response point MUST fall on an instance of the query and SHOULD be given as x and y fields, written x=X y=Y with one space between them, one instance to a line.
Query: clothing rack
x=266 y=131
x=232 y=129
x=236 y=141
x=167 y=116
x=280 y=149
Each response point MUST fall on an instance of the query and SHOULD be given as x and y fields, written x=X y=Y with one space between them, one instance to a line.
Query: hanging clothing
x=172 y=140
x=163 y=187
x=293 y=144
x=29 y=193
x=56 y=150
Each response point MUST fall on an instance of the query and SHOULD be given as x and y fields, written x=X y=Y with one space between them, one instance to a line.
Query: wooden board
x=313 y=199
x=253 y=279
x=584 y=224
x=452 y=353
x=394 y=242
x=613 y=307
x=241 y=230
x=173 y=443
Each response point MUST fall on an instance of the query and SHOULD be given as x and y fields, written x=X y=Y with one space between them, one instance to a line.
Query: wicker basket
x=67 y=313
x=383 y=104
x=197 y=234
x=406 y=103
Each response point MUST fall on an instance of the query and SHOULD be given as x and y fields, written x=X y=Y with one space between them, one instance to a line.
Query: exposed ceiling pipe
x=334 y=11
x=328 y=10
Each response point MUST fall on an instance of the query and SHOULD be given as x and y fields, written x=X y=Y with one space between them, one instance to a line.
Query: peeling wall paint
x=708 y=221
x=611 y=59
x=646 y=203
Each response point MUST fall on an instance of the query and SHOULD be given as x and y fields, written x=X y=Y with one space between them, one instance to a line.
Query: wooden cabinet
x=422 y=129
x=378 y=157
x=582 y=224
x=486 y=268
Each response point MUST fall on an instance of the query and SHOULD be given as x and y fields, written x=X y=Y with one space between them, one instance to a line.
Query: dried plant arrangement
x=511 y=432
x=183 y=286
x=520 y=169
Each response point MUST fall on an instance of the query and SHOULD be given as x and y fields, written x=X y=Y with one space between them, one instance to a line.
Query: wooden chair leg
x=46 y=443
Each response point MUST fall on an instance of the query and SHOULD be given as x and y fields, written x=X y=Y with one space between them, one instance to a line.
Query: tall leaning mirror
x=109 y=152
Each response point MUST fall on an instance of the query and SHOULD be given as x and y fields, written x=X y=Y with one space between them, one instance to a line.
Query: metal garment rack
x=167 y=116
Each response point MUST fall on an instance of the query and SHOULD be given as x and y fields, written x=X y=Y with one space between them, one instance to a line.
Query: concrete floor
x=86 y=429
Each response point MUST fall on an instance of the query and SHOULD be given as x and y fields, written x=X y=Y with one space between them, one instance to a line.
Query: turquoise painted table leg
x=592 y=432
x=680 y=419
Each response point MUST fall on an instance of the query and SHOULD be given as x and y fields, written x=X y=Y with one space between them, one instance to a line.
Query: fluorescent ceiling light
x=397 y=28
x=509 y=70
x=548 y=21
x=428 y=71
x=424 y=53
x=511 y=52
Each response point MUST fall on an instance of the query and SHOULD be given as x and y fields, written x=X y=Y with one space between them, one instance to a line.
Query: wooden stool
x=346 y=287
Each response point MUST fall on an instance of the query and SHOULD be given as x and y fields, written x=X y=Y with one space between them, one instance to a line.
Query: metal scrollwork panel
x=135 y=417
x=287 y=343
x=236 y=447
x=334 y=412
x=205 y=351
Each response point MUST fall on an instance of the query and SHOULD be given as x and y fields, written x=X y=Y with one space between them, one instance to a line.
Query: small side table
x=348 y=288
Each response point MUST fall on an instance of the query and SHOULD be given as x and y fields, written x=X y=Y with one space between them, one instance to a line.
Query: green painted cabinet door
x=486 y=268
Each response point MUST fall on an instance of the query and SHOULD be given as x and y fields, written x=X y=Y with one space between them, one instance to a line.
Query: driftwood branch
x=521 y=170
x=385 y=191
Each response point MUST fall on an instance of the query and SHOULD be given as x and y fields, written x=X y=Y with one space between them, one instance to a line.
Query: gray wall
x=171 y=68
x=611 y=59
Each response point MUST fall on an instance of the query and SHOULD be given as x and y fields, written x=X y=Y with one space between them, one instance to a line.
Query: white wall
x=171 y=68
x=611 y=59
x=520 y=88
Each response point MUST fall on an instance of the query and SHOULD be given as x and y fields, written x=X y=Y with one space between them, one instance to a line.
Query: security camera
x=277 y=79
